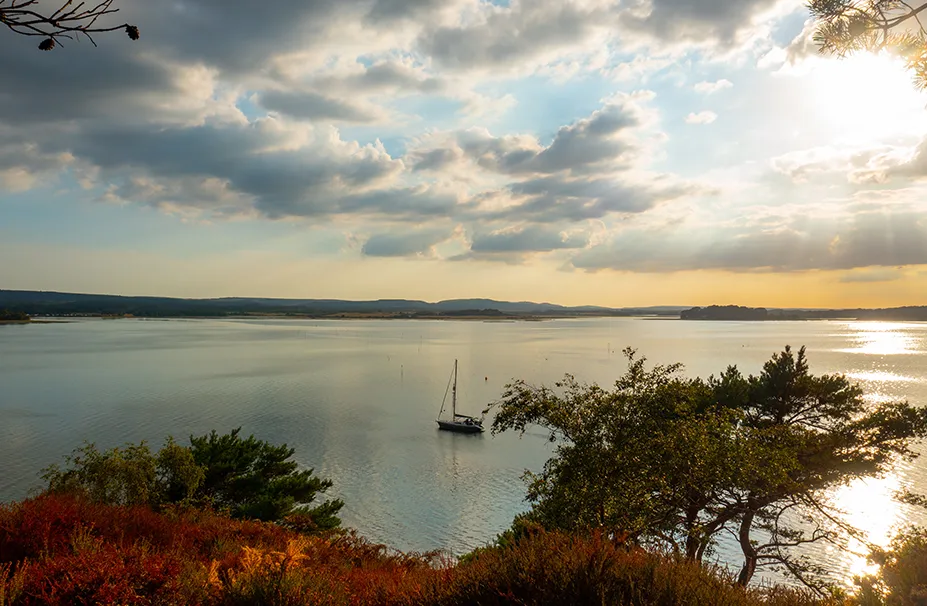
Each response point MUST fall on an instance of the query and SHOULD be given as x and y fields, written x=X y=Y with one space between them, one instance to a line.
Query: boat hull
x=459 y=427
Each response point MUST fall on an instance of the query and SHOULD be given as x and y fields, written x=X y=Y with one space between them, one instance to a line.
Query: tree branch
x=67 y=21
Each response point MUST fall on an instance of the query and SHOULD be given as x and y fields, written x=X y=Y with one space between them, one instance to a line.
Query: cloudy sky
x=608 y=152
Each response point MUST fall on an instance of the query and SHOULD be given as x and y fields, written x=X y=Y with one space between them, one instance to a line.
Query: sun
x=866 y=97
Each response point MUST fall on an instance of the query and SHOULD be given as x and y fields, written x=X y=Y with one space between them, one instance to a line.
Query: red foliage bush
x=61 y=550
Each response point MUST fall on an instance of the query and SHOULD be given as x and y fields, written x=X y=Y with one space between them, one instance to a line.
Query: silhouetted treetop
x=848 y=26
x=71 y=20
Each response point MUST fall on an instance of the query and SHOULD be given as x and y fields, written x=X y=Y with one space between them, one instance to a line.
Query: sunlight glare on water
x=871 y=507
x=882 y=339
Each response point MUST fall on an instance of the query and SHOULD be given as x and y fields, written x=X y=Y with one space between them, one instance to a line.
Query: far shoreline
x=506 y=318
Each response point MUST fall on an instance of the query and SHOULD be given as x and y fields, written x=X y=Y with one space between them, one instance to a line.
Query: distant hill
x=39 y=303
x=57 y=303
x=736 y=312
x=724 y=312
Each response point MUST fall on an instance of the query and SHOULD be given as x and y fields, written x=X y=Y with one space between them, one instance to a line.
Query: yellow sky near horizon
x=266 y=274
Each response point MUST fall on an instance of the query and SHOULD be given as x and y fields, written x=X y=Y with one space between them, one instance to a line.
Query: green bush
x=247 y=477
x=254 y=479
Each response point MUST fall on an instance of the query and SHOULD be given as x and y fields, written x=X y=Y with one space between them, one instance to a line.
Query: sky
x=620 y=153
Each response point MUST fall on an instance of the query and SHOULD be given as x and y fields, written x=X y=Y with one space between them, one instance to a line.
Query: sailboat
x=458 y=422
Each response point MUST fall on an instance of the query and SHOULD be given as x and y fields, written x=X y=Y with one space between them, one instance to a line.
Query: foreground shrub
x=58 y=549
x=902 y=579
x=557 y=568
x=246 y=477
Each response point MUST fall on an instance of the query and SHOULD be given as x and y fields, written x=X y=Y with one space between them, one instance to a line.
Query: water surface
x=357 y=400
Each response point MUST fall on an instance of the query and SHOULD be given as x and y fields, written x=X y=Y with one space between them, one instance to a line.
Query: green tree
x=249 y=478
x=130 y=475
x=254 y=479
x=178 y=475
x=673 y=462
x=848 y=26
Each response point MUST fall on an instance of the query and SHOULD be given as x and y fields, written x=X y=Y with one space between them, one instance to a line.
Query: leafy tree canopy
x=255 y=479
x=674 y=462
x=247 y=477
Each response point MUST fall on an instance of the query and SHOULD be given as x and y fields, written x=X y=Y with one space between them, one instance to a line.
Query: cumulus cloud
x=719 y=23
x=703 y=117
x=876 y=163
x=269 y=168
x=383 y=76
x=706 y=87
x=514 y=35
x=274 y=113
x=314 y=106
x=591 y=168
x=522 y=35
x=609 y=137
x=861 y=241
x=402 y=243
x=24 y=165
x=557 y=199
x=527 y=239
x=791 y=56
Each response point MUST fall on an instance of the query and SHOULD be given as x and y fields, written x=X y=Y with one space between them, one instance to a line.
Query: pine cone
x=47 y=44
x=132 y=31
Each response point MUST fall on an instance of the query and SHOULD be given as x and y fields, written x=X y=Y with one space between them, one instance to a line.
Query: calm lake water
x=357 y=400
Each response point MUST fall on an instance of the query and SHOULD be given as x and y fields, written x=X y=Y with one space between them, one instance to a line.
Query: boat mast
x=454 y=393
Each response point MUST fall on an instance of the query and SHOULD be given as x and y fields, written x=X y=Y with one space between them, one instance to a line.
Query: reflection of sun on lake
x=871 y=507
x=878 y=376
x=882 y=339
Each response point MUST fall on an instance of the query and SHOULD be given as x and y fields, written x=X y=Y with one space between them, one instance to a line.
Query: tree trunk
x=693 y=534
x=750 y=557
